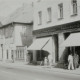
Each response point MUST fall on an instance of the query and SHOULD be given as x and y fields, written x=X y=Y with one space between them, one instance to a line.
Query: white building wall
x=61 y=48
x=10 y=43
x=2 y=41
x=34 y=52
x=17 y=39
x=67 y=15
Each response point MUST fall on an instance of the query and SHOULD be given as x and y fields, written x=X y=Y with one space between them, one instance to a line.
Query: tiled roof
x=21 y=15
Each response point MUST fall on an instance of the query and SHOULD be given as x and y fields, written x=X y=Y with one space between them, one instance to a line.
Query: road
x=11 y=73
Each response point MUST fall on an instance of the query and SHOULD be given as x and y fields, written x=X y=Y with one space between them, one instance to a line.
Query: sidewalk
x=40 y=68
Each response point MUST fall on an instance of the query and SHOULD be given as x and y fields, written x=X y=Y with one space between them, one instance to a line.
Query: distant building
x=54 y=21
x=16 y=34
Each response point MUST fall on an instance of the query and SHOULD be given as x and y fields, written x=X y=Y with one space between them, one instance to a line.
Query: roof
x=21 y=15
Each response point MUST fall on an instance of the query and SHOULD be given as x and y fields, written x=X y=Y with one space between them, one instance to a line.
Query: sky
x=9 y=6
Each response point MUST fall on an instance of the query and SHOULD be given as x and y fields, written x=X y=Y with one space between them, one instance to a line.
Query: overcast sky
x=9 y=6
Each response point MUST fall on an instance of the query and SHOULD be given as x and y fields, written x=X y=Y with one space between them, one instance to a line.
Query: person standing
x=76 y=60
x=46 y=61
x=28 y=58
x=50 y=60
x=70 y=61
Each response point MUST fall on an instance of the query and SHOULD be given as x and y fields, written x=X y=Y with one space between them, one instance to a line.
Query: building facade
x=16 y=34
x=55 y=20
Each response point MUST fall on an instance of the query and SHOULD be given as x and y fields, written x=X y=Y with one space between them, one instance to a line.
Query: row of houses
x=48 y=27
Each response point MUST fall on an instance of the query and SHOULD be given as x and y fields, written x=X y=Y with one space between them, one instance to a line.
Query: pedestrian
x=70 y=61
x=76 y=61
x=50 y=60
x=28 y=58
x=46 y=61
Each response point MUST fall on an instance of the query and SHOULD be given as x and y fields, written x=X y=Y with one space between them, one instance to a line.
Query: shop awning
x=39 y=44
x=72 y=40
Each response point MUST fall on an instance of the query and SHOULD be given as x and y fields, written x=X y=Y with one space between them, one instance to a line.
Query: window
x=18 y=54
x=49 y=14
x=60 y=6
x=74 y=7
x=9 y=31
x=2 y=33
x=39 y=18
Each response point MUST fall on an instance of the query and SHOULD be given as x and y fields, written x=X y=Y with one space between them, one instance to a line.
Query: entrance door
x=56 y=48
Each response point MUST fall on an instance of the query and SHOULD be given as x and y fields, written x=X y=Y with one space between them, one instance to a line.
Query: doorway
x=77 y=50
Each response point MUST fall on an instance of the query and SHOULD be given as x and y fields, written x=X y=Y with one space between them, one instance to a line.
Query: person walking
x=70 y=61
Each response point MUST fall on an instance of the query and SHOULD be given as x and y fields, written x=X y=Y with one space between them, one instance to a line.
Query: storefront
x=43 y=47
x=73 y=42
x=60 y=35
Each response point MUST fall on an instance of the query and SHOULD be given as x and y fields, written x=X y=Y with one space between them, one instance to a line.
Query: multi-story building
x=55 y=21
x=16 y=34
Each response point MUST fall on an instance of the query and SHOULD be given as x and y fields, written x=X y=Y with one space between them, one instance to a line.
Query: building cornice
x=12 y=23
x=68 y=27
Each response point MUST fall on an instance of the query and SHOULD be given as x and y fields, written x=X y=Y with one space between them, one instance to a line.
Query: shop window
x=38 y=55
x=18 y=54
x=41 y=55
x=23 y=54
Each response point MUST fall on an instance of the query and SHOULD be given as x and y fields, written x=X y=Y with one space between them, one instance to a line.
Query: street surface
x=11 y=73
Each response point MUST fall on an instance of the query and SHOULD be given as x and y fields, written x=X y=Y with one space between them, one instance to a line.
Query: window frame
x=49 y=14
x=74 y=7
x=39 y=17
x=60 y=11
